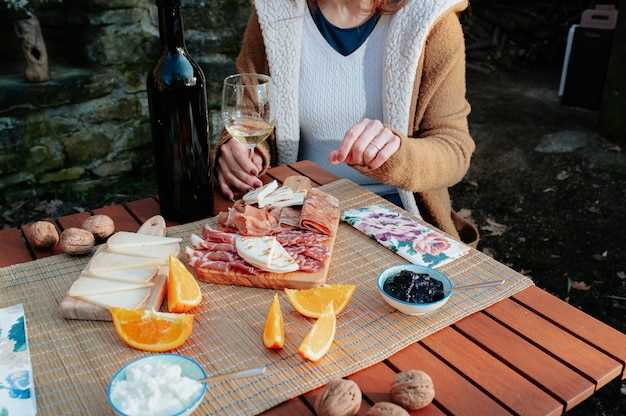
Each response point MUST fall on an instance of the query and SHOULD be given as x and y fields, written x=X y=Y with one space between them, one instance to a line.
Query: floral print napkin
x=17 y=392
x=416 y=243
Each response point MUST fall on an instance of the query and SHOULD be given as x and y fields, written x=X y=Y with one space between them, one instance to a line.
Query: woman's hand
x=368 y=144
x=236 y=171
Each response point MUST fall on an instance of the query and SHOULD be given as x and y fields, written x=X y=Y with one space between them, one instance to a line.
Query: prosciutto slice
x=199 y=243
x=320 y=212
x=216 y=236
x=205 y=255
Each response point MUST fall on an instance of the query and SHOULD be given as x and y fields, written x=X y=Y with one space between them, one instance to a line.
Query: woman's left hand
x=368 y=144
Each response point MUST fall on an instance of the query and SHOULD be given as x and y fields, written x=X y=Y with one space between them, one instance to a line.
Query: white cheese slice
x=123 y=239
x=256 y=250
x=138 y=276
x=162 y=252
x=92 y=286
x=258 y=194
x=130 y=299
x=295 y=199
x=104 y=261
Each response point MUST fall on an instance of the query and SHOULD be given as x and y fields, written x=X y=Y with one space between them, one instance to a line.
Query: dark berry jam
x=414 y=287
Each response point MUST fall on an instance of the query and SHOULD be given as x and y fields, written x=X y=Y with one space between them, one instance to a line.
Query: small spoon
x=480 y=285
x=251 y=372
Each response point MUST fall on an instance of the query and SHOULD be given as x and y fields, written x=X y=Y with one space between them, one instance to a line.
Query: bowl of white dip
x=157 y=385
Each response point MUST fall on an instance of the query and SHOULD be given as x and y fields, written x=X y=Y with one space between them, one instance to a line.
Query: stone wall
x=88 y=126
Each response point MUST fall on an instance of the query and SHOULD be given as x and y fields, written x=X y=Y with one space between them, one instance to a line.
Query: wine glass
x=246 y=108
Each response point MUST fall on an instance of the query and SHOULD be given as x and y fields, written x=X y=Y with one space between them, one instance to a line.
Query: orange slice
x=183 y=292
x=148 y=330
x=311 y=302
x=318 y=341
x=274 y=331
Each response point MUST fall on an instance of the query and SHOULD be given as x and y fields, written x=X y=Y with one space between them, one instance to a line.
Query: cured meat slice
x=300 y=237
x=255 y=222
x=216 y=236
x=204 y=255
x=228 y=267
x=307 y=264
x=199 y=243
x=290 y=216
x=320 y=212
x=316 y=252
x=295 y=250
x=243 y=267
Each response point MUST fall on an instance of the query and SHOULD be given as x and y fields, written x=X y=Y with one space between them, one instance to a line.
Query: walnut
x=44 y=234
x=75 y=241
x=386 y=409
x=101 y=226
x=412 y=389
x=339 y=398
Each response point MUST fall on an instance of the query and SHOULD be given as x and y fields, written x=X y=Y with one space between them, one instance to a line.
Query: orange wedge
x=274 y=331
x=318 y=341
x=148 y=330
x=311 y=302
x=183 y=292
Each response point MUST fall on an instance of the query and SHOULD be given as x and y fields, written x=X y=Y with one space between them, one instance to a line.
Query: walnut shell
x=75 y=241
x=412 y=389
x=386 y=409
x=339 y=398
x=101 y=226
x=44 y=234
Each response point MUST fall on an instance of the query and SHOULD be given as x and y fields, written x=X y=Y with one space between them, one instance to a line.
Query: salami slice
x=320 y=212
x=216 y=236
x=316 y=252
x=307 y=264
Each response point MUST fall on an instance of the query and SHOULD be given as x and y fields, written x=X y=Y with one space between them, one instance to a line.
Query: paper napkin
x=413 y=241
x=17 y=390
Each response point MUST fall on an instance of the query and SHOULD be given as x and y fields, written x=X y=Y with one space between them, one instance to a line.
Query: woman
x=373 y=90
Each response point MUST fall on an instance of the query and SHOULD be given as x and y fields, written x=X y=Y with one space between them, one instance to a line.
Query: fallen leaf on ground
x=494 y=228
x=615 y=148
x=551 y=189
x=580 y=285
x=621 y=275
x=562 y=175
x=600 y=257
x=473 y=183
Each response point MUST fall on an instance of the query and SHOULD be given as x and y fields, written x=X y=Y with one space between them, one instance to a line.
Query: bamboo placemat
x=74 y=360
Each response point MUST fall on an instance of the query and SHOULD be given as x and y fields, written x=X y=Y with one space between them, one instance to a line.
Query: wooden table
x=532 y=354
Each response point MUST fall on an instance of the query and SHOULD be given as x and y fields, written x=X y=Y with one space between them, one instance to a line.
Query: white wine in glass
x=246 y=108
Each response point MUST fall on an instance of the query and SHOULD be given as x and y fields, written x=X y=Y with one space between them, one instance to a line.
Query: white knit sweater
x=337 y=92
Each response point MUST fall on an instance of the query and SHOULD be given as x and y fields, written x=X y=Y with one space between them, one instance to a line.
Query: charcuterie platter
x=273 y=238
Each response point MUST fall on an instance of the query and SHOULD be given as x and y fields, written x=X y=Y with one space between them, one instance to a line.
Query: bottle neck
x=171 y=28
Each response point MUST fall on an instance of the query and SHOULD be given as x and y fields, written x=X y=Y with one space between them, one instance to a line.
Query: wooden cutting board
x=268 y=280
x=72 y=308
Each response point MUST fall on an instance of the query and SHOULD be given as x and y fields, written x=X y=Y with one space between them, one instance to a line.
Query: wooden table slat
x=314 y=172
x=509 y=387
x=73 y=220
x=13 y=248
x=40 y=252
x=280 y=173
x=575 y=321
x=122 y=218
x=453 y=392
x=567 y=385
x=143 y=209
x=579 y=355
x=291 y=407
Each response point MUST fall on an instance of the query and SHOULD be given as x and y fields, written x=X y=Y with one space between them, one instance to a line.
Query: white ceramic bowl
x=409 y=308
x=190 y=368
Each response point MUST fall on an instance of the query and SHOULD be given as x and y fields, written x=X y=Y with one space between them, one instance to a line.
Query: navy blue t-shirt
x=344 y=41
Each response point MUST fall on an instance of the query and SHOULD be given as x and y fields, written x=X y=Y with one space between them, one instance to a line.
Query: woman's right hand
x=236 y=171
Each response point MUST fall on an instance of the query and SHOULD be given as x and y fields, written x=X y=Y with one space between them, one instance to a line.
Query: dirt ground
x=557 y=217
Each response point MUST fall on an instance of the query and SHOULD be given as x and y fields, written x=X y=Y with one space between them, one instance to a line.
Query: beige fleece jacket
x=437 y=151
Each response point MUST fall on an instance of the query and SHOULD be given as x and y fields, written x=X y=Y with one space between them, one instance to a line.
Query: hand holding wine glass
x=247 y=118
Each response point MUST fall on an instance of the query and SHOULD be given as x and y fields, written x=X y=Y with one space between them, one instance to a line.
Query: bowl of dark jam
x=413 y=289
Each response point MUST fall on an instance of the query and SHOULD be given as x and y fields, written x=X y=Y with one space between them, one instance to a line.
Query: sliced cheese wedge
x=256 y=250
x=258 y=194
x=104 y=261
x=123 y=239
x=92 y=286
x=130 y=299
x=162 y=252
x=139 y=275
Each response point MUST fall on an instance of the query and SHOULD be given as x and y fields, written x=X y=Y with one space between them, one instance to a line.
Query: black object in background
x=587 y=58
x=179 y=119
